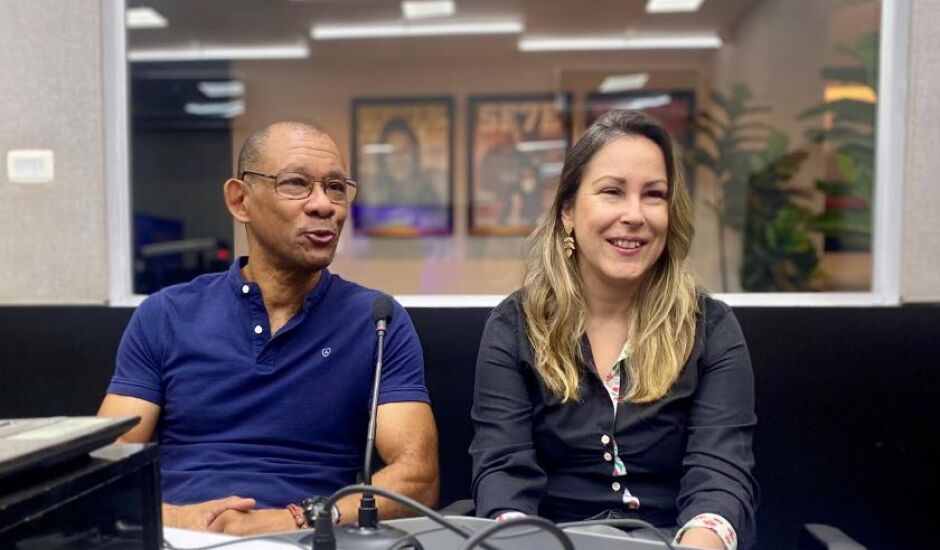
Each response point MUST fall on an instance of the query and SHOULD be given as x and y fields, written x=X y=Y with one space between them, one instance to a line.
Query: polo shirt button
x=246 y=289
x=608 y=457
x=605 y=439
x=615 y=486
x=258 y=329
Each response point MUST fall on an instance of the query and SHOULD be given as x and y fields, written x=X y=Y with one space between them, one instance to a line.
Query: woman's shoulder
x=717 y=324
x=712 y=308
x=510 y=309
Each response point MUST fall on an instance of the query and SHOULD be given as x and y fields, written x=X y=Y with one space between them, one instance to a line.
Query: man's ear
x=236 y=199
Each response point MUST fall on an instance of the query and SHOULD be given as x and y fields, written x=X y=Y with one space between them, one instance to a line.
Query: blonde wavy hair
x=662 y=319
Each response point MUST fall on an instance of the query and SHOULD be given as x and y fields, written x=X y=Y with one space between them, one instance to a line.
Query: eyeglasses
x=292 y=185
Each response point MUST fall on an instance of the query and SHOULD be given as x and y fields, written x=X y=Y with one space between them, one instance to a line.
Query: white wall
x=920 y=267
x=53 y=238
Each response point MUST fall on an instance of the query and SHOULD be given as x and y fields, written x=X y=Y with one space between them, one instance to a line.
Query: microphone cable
x=412 y=540
x=325 y=512
x=323 y=537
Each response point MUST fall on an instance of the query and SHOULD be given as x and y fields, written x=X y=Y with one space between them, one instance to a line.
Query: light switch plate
x=30 y=165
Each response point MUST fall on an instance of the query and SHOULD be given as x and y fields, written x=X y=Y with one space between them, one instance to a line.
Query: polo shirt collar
x=242 y=286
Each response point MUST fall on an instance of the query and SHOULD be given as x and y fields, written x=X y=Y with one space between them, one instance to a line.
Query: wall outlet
x=30 y=165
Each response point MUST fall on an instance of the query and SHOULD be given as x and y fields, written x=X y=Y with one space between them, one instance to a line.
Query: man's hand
x=253 y=522
x=199 y=516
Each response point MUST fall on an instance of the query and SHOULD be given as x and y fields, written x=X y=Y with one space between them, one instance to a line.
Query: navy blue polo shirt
x=277 y=419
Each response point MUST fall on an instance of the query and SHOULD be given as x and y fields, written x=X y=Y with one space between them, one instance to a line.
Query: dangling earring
x=568 y=242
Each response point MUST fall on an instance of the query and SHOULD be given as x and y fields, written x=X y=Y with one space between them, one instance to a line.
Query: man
x=256 y=382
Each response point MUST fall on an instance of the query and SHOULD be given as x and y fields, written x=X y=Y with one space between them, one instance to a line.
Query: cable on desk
x=398 y=544
x=412 y=538
x=535 y=521
x=622 y=522
x=401 y=499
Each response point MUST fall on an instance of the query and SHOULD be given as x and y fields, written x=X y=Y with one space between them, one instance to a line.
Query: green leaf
x=844 y=110
x=847 y=166
x=838 y=222
x=842 y=134
x=703 y=130
x=706 y=118
x=777 y=144
x=726 y=105
x=700 y=157
x=834 y=188
x=846 y=74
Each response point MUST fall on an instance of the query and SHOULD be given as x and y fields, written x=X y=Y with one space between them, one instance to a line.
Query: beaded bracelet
x=298 y=514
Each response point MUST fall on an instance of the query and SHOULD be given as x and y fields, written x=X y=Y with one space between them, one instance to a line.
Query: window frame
x=889 y=168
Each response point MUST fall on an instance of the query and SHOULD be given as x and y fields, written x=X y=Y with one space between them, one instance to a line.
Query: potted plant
x=751 y=164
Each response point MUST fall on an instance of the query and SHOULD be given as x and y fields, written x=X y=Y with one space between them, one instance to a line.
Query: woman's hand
x=700 y=537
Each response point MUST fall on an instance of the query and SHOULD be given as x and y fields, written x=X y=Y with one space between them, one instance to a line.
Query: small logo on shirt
x=325 y=352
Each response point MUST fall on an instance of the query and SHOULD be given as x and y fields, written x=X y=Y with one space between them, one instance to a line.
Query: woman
x=608 y=386
x=401 y=179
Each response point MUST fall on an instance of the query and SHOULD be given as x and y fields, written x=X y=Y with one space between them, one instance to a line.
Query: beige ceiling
x=246 y=22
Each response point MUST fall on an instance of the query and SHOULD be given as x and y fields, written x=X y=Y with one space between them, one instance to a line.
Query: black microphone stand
x=368 y=533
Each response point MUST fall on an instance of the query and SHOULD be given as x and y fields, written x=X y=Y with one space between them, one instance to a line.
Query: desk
x=108 y=499
x=522 y=538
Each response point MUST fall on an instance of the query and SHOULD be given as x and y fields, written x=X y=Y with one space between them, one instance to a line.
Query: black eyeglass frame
x=350 y=184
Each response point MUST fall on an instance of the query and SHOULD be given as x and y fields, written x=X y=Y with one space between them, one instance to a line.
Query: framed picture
x=517 y=148
x=402 y=159
x=674 y=109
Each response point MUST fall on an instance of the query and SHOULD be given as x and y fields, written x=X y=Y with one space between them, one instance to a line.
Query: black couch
x=847 y=402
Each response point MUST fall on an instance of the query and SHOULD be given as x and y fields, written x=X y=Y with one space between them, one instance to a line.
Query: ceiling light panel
x=221 y=88
x=672 y=6
x=648 y=42
x=207 y=53
x=399 y=29
x=624 y=82
x=144 y=18
x=419 y=9
x=225 y=109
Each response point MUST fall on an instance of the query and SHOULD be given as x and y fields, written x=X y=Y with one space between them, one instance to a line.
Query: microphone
x=367 y=533
x=381 y=315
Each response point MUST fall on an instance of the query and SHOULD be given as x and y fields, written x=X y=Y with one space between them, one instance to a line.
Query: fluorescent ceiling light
x=416 y=9
x=545 y=145
x=623 y=82
x=399 y=29
x=550 y=168
x=223 y=88
x=640 y=42
x=641 y=103
x=144 y=18
x=297 y=50
x=670 y=6
x=226 y=109
x=377 y=149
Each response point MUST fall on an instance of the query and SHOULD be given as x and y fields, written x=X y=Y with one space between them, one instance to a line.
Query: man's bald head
x=253 y=150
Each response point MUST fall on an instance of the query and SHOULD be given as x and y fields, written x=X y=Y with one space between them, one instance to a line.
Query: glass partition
x=457 y=120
